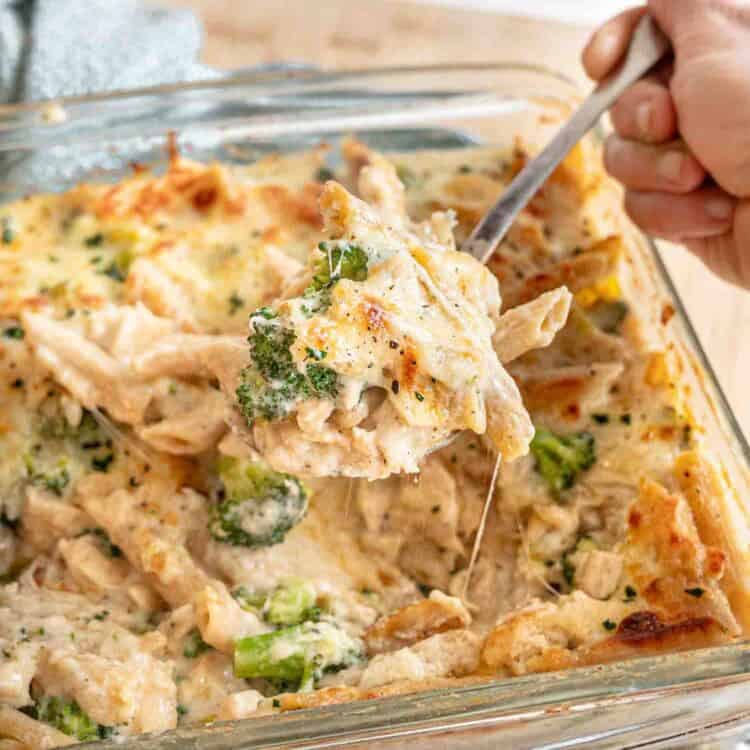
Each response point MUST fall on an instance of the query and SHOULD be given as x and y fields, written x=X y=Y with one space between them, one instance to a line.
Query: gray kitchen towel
x=53 y=48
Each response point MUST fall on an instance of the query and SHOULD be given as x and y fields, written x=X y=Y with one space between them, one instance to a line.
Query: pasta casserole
x=251 y=416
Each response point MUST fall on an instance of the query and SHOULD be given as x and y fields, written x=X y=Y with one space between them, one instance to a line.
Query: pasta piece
x=92 y=361
x=191 y=420
x=136 y=693
x=29 y=733
x=531 y=326
x=191 y=355
x=131 y=354
x=149 y=284
x=712 y=506
x=416 y=622
x=669 y=564
x=93 y=570
x=221 y=620
x=152 y=529
x=45 y=519
x=453 y=653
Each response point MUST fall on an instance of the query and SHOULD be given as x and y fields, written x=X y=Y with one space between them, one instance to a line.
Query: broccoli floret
x=560 y=458
x=259 y=506
x=298 y=655
x=272 y=385
x=291 y=603
x=339 y=260
x=69 y=718
x=59 y=454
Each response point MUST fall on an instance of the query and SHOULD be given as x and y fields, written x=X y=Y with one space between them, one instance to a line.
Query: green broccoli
x=259 y=506
x=272 y=385
x=291 y=603
x=339 y=260
x=69 y=718
x=59 y=454
x=296 y=656
x=560 y=458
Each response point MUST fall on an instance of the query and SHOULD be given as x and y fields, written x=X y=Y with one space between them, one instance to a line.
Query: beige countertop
x=359 y=33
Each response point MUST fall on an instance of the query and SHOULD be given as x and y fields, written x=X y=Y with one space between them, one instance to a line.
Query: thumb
x=728 y=255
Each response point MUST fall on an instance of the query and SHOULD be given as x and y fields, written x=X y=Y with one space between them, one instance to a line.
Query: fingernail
x=719 y=208
x=643 y=115
x=670 y=166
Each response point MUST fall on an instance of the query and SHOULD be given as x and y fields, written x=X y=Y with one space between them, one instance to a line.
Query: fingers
x=646 y=112
x=706 y=212
x=667 y=168
x=728 y=254
x=608 y=44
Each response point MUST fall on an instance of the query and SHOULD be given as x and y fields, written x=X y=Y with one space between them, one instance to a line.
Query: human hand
x=681 y=144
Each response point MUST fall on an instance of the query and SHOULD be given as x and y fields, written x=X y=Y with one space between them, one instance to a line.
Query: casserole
x=245 y=118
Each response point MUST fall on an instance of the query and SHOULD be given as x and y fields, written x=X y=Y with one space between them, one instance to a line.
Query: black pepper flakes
x=395 y=386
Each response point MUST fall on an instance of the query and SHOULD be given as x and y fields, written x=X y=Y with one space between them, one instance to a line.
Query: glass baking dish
x=679 y=699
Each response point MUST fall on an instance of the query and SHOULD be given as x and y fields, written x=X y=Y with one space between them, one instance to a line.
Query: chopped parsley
x=418 y=396
x=112 y=550
x=630 y=593
x=316 y=354
x=114 y=272
x=568 y=570
x=102 y=463
x=8 y=233
x=235 y=303
x=600 y=418
x=697 y=592
x=324 y=174
x=609 y=625
x=14 y=332
x=94 y=240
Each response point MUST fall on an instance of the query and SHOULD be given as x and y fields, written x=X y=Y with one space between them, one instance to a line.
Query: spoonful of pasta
x=390 y=342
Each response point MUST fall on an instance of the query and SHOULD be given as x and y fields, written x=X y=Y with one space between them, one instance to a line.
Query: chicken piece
x=385 y=355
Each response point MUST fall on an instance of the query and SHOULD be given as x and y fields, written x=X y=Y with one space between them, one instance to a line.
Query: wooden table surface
x=359 y=33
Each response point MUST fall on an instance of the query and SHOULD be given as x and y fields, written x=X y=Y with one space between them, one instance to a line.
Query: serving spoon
x=648 y=46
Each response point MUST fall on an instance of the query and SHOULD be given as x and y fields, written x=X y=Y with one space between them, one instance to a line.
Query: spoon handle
x=647 y=47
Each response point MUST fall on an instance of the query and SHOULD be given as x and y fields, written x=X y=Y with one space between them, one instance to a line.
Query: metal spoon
x=648 y=46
